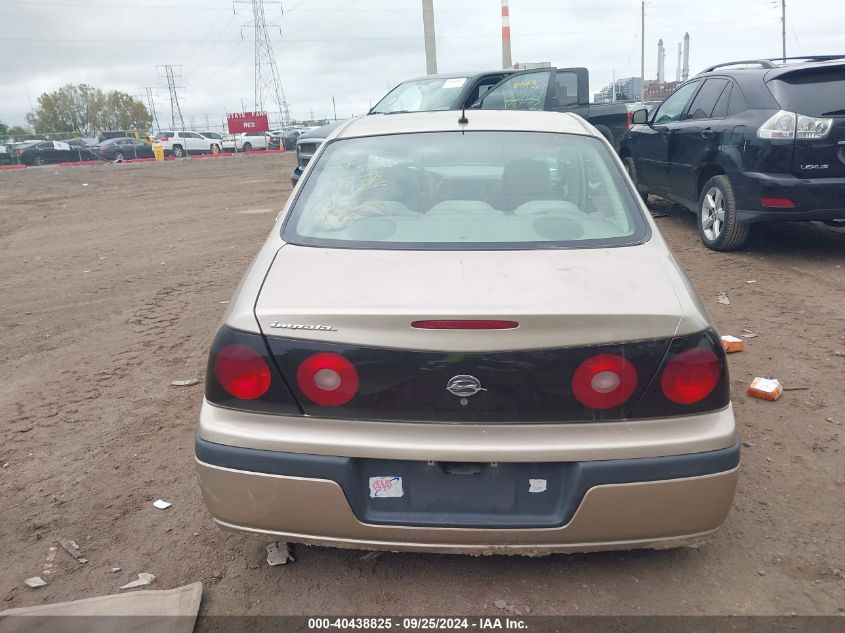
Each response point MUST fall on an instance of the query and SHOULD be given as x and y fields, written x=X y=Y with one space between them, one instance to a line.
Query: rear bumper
x=615 y=485
x=814 y=198
x=626 y=515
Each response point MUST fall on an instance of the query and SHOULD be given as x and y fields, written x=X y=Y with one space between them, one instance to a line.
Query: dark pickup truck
x=551 y=89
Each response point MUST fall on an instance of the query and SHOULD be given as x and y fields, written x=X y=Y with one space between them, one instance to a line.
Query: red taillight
x=242 y=372
x=628 y=120
x=604 y=381
x=778 y=203
x=327 y=379
x=164 y=138
x=478 y=324
x=691 y=375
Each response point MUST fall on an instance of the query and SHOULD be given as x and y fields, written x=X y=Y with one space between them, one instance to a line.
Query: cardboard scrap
x=732 y=343
x=765 y=388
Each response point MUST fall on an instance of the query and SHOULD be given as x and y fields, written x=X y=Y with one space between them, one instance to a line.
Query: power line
x=330 y=39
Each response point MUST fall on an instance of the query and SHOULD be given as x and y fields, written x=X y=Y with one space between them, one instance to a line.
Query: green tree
x=4 y=130
x=18 y=133
x=86 y=110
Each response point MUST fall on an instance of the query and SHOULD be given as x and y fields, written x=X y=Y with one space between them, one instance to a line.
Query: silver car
x=467 y=335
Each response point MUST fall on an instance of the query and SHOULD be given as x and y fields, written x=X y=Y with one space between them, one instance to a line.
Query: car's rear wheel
x=717 y=224
x=178 y=151
x=631 y=168
x=118 y=156
x=247 y=147
x=39 y=160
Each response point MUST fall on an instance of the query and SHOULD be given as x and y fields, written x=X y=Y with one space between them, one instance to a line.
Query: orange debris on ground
x=765 y=388
x=732 y=343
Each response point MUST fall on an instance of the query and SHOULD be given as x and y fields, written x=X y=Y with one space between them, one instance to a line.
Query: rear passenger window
x=567 y=89
x=738 y=103
x=705 y=101
x=721 y=109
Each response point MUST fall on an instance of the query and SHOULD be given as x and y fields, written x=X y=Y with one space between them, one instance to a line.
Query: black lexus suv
x=747 y=142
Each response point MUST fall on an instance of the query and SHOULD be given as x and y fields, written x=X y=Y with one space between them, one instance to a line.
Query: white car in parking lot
x=181 y=143
x=246 y=141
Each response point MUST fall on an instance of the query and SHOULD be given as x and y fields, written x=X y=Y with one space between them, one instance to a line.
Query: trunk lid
x=560 y=298
x=347 y=314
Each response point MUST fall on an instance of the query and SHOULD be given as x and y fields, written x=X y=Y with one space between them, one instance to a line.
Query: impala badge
x=303 y=326
x=464 y=386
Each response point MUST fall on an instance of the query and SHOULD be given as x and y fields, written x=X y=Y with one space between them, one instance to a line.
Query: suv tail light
x=164 y=139
x=241 y=374
x=628 y=120
x=789 y=125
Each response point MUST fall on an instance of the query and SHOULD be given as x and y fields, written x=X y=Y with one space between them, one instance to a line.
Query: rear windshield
x=448 y=190
x=816 y=92
x=422 y=95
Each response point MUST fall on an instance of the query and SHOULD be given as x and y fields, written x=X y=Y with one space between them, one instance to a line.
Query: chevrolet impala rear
x=467 y=336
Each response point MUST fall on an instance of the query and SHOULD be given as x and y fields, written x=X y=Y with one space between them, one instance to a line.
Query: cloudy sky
x=354 y=50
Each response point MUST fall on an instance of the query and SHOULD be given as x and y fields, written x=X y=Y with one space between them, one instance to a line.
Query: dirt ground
x=112 y=281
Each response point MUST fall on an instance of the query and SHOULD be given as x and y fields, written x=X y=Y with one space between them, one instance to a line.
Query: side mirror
x=639 y=117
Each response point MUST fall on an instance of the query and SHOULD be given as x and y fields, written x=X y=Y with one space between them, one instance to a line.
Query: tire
x=118 y=156
x=38 y=160
x=246 y=147
x=178 y=151
x=718 y=227
x=631 y=168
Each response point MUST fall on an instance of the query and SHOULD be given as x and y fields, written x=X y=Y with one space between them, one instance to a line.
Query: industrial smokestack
x=506 y=36
x=661 y=60
x=685 y=71
x=678 y=67
x=428 y=31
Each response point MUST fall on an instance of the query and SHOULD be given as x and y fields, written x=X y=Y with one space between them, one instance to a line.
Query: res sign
x=247 y=122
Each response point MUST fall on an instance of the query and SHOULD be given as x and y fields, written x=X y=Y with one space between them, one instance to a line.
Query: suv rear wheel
x=178 y=151
x=631 y=168
x=247 y=146
x=717 y=223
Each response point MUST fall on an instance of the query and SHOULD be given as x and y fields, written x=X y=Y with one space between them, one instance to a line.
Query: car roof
x=443 y=121
x=456 y=75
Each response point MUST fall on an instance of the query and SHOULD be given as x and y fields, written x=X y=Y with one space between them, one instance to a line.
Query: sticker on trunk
x=536 y=485
x=386 y=487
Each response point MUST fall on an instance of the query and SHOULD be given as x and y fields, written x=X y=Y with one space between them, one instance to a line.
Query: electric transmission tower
x=176 y=120
x=151 y=104
x=268 y=86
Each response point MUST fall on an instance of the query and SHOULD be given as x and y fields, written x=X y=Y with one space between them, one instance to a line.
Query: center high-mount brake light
x=691 y=375
x=242 y=372
x=463 y=324
x=327 y=379
x=604 y=381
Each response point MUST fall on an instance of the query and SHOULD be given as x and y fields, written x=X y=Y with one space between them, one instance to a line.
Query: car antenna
x=463 y=120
